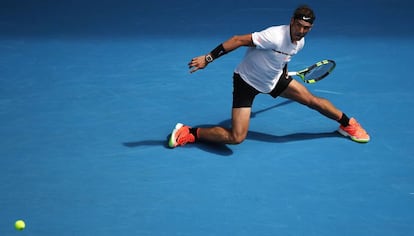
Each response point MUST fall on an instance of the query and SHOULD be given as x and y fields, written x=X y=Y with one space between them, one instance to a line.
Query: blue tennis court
x=90 y=90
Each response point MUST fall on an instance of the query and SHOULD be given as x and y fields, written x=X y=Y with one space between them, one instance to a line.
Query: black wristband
x=218 y=52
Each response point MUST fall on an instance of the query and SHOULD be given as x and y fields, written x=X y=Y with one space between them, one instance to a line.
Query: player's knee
x=238 y=138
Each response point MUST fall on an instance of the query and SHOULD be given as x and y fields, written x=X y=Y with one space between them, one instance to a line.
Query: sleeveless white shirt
x=263 y=65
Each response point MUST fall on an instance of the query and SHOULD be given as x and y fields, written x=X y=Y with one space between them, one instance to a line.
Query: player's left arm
x=231 y=44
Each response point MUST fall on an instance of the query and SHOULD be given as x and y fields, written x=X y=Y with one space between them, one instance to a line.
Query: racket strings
x=320 y=71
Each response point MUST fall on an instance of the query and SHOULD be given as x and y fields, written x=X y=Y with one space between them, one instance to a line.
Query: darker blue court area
x=90 y=90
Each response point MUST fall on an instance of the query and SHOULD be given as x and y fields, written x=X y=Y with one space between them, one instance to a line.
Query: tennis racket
x=315 y=72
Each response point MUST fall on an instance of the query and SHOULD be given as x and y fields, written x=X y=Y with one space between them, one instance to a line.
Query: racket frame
x=302 y=73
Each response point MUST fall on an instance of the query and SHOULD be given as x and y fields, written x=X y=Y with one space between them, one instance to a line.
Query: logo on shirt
x=284 y=53
x=287 y=55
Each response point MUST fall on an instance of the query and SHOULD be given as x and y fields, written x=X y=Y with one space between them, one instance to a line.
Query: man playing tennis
x=264 y=70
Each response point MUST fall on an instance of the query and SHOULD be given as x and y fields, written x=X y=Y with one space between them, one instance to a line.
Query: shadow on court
x=259 y=136
x=215 y=148
x=224 y=150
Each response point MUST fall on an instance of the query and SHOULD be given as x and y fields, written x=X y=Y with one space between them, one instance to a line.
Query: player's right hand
x=197 y=63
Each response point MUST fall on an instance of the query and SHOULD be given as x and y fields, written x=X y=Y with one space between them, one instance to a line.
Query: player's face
x=298 y=29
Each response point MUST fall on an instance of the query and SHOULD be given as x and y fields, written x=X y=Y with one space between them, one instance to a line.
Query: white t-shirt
x=263 y=65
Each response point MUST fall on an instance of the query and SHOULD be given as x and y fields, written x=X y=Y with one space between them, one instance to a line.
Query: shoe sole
x=352 y=137
x=172 y=143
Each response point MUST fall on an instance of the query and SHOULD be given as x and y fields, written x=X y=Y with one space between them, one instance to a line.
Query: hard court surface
x=90 y=90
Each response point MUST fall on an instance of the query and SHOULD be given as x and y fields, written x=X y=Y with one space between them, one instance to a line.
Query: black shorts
x=244 y=94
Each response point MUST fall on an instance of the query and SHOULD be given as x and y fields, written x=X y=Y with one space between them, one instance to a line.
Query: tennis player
x=264 y=70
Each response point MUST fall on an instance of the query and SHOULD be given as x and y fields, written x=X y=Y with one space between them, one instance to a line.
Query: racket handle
x=292 y=73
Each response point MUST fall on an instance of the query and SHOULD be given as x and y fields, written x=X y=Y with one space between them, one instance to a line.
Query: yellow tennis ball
x=19 y=225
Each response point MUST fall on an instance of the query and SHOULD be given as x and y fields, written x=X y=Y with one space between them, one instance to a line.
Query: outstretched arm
x=231 y=44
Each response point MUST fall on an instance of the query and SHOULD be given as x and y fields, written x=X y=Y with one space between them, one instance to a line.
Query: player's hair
x=304 y=12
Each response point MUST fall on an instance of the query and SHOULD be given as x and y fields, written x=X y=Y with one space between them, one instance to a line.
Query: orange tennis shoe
x=354 y=131
x=180 y=136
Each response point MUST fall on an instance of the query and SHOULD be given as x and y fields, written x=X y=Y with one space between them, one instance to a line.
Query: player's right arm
x=231 y=44
x=238 y=41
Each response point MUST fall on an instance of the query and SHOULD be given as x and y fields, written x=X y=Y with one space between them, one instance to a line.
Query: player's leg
x=243 y=96
x=299 y=93
x=183 y=134
x=234 y=135
x=349 y=127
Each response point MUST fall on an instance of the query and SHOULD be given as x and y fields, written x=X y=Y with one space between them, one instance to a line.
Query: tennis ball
x=19 y=225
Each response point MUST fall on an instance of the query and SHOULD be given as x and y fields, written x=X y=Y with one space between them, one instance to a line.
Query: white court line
x=327 y=91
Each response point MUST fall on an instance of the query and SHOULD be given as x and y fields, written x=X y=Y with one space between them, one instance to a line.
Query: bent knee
x=238 y=138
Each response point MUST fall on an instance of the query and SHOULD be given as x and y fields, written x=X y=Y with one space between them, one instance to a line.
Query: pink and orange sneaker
x=354 y=131
x=180 y=136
